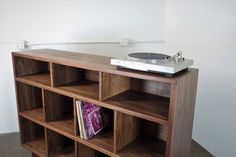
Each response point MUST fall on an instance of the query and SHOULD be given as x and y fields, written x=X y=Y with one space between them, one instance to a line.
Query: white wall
x=206 y=31
x=74 y=20
x=203 y=29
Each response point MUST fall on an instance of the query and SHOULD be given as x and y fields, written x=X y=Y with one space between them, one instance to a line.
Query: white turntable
x=153 y=62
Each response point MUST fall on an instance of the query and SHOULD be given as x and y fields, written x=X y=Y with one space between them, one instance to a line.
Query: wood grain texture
x=143 y=105
x=57 y=107
x=163 y=105
x=154 y=130
x=25 y=66
x=86 y=88
x=84 y=151
x=182 y=112
x=126 y=129
x=37 y=114
x=10 y=147
x=43 y=78
x=38 y=147
x=65 y=125
x=59 y=111
x=62 y=75
x=32 y=136
x=28 y=97
x=111 y=85
x=144 y=147
x=59 y=145
x=151 y=87
x=34 y=155
x=76 y=123
x=30 y=131
x=91 y=62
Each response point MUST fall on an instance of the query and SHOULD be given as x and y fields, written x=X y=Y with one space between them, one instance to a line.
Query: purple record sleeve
x=92 y=115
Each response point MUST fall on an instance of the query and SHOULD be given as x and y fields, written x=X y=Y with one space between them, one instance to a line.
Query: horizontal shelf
x=147 y=106
x=103 y=140
x=36 y=114
x=42 y=78
x=86 y=88
x=143 y=146
x=38 y=147
x=66 y=125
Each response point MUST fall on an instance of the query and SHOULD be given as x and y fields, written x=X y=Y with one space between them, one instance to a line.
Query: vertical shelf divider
x=46 y=141
x=76 y=127
x=44 y=107
x=112 y=84
x=126 y=129
x=51 y=74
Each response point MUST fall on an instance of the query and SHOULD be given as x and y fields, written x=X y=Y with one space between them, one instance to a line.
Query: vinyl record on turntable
x=148 y=57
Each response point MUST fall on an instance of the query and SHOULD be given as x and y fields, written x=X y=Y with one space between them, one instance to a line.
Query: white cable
x=123 y=42
x=71 y=43
x=91 y=42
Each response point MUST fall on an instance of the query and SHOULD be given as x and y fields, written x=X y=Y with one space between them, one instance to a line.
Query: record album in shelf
x=90 y=119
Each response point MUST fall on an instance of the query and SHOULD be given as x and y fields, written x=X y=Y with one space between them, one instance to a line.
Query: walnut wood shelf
x=150 y=114
x=38 y=147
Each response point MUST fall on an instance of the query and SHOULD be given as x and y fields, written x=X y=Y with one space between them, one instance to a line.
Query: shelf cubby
x=76 y=81
x=32 y=70
x=33 y=137
x=30 y=103
x=84 y=151
x=138 y=137
x=105 y=138
x=59 y=112
x=145 y=98
x=59 y=145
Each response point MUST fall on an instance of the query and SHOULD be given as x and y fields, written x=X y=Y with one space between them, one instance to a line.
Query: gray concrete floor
x=10 y=147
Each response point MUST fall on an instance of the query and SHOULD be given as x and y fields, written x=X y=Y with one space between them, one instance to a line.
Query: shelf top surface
x=95 y=62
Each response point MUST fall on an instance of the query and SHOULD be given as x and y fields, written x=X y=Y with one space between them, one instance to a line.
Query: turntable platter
x=148 y=57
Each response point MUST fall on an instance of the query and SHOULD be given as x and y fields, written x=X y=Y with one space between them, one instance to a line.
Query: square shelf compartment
x=104 y=138
x=84 y=151
x=32 y=70
x=33 y=137
x=30 y=103
x=59 y=112
x=59 y=145
x=138 y=137
x=144 y=98
x=76 y=80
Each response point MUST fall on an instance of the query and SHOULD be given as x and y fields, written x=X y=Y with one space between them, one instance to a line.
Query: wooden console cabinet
x=151 y=114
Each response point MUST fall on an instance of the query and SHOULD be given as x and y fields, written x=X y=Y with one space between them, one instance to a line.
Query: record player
x=153 y=62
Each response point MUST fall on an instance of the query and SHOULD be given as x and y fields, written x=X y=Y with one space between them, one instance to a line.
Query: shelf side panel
x=182 y=105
